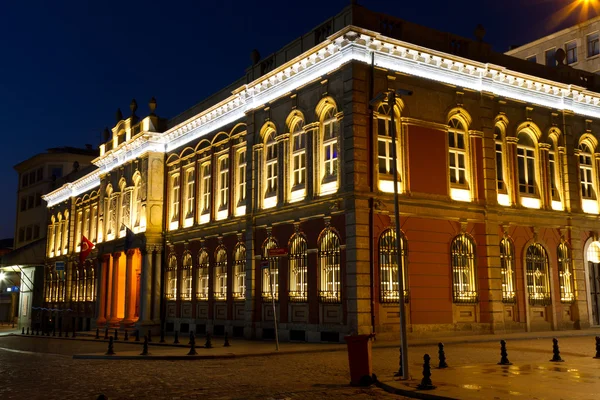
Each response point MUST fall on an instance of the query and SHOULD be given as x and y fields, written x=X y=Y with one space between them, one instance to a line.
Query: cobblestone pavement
x=50 y=372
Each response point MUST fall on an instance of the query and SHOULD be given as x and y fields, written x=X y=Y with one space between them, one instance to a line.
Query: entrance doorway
x=593 y=274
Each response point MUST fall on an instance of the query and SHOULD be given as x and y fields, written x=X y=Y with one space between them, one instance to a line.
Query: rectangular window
x=86 y=223
x=532 y=59
x=30 y=201
x=330 y=144
x=526 y=165
x=32 y=177
x=29 y=233
x=241 y=176
x=499 y=169
x=36 y=231
x=40 y=174
x=175 y=197
x=23 y=204
x=21 y=235
x=206 y=184
x=585 y=176
x=24 y=180
x=190 y=187
x=571 y=50
x=38 y=199
x=593 y=45
x=56 y=171
x=271 y=157
x=299 y=159
x=384 y=146
x=550 y=57
x=552 y=172
x=457 y=157
x=223 y=182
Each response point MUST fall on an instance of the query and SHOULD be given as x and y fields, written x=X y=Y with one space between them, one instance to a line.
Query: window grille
x=388 y=267
x=186 y=277
x=565 y=274
x=457 y=152
x=203 y=275
x=239 y=274
x=270 y=285
x=172 y=278
x=298 y=263
x=329 y=266
x=463 y=270
x=507 y=270
x=538 y=285
x=220 y=277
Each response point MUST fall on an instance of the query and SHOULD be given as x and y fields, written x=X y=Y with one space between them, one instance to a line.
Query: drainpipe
x=371 y=211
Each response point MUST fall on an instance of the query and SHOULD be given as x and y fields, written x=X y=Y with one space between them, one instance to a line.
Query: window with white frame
x=586 y=172
x=172 y=278
x=330 y=145
x=203 y=274
x=457 y=153
x=536 y=270
x=463 y=269
x=554 y=193
x=384 y=140
x=206 y=186
x=526 y=164
x=298 y=267
x=186 y=277
x=270 y=282
x=507 y=270
x=223 y=182
x=329 y=267
x=388 y=267
x=271 y=165
x=175 y=187
x=239 y=272
x=565 y=274
x=241 y=194
x=220 y=276
x=500 y=184
x=298 y=156
x=190 y=190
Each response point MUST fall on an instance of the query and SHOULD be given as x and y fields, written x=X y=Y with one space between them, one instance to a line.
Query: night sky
x=66 y=66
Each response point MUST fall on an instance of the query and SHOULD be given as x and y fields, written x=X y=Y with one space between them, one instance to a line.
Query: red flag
x=86 y=249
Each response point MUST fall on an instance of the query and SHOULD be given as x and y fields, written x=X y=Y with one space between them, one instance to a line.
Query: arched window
x=384 y=139
x=298 y=156
x=526 y=165
x=186 y=277
x=190 y=192
x=81 y=284
x=538 y=283
x=329 y=267
x=507 y=270
x=501 y=186
x=75 y=285
x=270 y=283
x=298 y=280
x=48 y=285
x=388 y=267
x=206 y=190
x=271 y=165
x=223 y=183
x=220 y=277
x=65 y=235
x=329 y=152
x=457 y=147
x=203 y=273
x=59 y=233
x=463 y=270
x=172 y=278
x=137 y=202
x=565 y=274
x=239 y=272
x=175 y=183
x=111 y=213
x=586 y=172
x=90 y=293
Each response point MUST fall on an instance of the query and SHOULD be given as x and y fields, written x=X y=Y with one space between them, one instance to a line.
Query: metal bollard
x=399 y=373
x=110 y=350
x=426 y=383
x=106 y=333
x=503 y=354
x=97 y=333
x=60 y=331
x=54 y=331
x=597 y=347
x=74 y=334
x=176 y=340
x=442 y=356
x=116 y=334
x=192 y=351
x=162 y=336
x=145 y=348
x=556 y=351
x=137 y=335
x=37 y=333
x=226 y=344
x=23 y=331
x=66 y=333
x=208 y=343
x=126 y=336
x=28 y=330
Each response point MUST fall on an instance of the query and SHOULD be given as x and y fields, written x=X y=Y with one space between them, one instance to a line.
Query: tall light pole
x=390 y=96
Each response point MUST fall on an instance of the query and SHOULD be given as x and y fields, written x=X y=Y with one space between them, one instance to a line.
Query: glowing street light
x=2 y=275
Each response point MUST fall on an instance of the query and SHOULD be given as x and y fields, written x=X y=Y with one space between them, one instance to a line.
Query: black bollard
x=556 y=351
x=37 y=333
x=442 y=356
x=27 y=330
x=126 y=336
x=226 y=344
x=110 y=350
x=503 y=354
x=162 y=336
x=60 y=331
x=208 y=343
x=192 y=351
x=116 y=334
x=145 y=348
x=23 y=331
x=97 y=333
x=137 y=335
x=74 y=332
x=106 y=333
x=176 y=341
x=399 y=373
x=54 y=331
x=149 y=335
x=426 y=383
x=597 y=347
x=66 y=333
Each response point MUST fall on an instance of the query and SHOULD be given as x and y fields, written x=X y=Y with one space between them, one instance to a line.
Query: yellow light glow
x=387 y=186
x=297 y=195
x=329 y=188
x=587 y=10
x=530 y=202
x=503 y=200
x=557 y=205
x=173 y=225
x=589 y=206
x=270 y=202
x=223 y=214
x=188 y=222
x=241 y=210
x=460 y=194
x=204 y=218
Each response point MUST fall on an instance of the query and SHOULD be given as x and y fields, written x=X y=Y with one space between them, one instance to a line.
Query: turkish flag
x=86 y=249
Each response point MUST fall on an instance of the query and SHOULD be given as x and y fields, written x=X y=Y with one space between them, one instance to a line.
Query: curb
x=415 y=394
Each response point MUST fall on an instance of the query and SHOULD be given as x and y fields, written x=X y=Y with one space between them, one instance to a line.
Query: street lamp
x=390 y=96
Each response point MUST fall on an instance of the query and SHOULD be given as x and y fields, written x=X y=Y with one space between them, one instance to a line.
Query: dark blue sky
x=66 y=66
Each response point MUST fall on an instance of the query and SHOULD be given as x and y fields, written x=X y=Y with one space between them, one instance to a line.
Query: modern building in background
x=580 y=42
x=23 y=267
x=273 y=199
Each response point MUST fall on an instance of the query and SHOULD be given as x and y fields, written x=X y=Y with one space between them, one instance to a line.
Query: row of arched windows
x=58 y=234
x=83 y=284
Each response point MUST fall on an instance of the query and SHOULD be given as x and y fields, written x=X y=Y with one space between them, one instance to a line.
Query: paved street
x=36 y=367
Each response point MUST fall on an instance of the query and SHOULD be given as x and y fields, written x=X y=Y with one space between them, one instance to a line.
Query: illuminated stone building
x=498 y=180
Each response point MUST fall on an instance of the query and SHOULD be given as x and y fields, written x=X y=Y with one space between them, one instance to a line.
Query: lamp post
x=390 y=96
